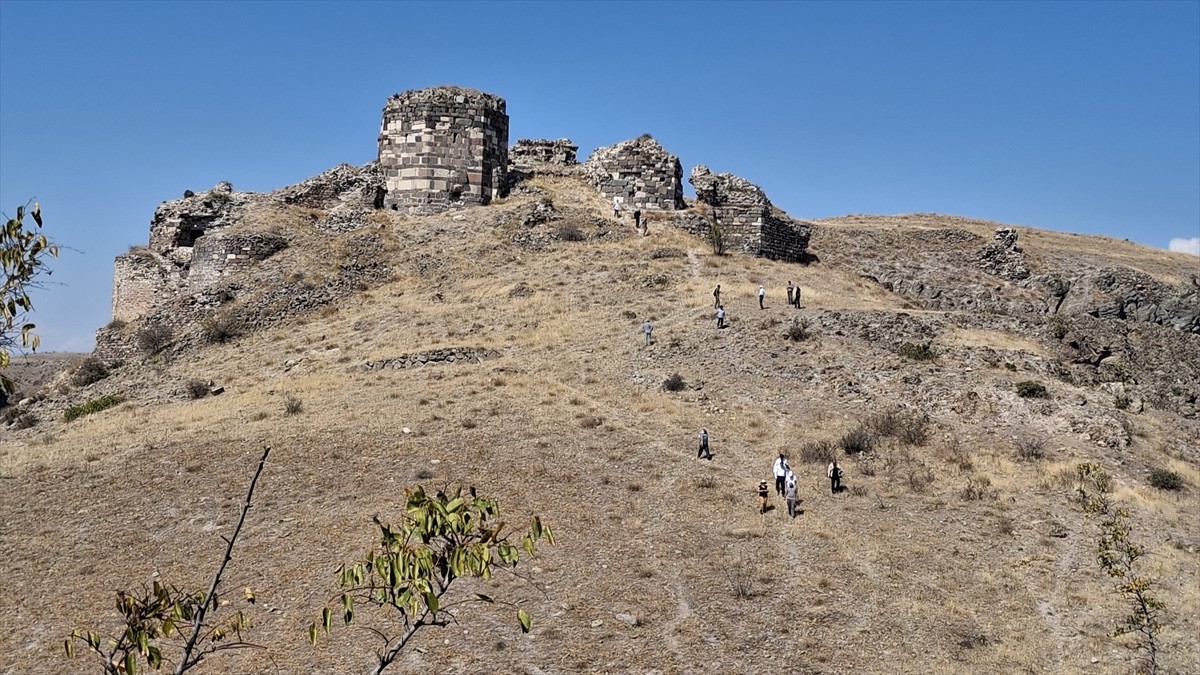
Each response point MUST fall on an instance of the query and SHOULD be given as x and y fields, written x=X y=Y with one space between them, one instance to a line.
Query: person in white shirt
x=762 y=294
x=781 y=470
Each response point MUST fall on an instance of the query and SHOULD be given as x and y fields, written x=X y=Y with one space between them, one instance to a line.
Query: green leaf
x=326 y=618
x=131 y=663
x=524 y=619
x=69 y=646
x=312 y=633
x=431 y=601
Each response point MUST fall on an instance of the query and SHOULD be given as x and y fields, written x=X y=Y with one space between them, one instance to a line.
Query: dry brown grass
x=571 y=422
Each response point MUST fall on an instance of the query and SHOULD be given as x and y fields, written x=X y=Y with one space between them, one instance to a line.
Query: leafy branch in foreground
x=441 y=539
x=1118 y=556
x=23 y=252
x=184 y=617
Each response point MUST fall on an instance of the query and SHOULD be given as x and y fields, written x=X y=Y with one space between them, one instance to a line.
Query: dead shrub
x=818 y=452
x=858 y=441
x=89 y=370
x=154 y=338
x=196 y=389
x=740 y=574
x=221 y=328
x=1029 y=448
x=797 y=330
x=674 y=383
x=591 y=422
x=910 y=428
x=706 y=482
x=292 y=405
x=859 y=490
x=978 y=489
x=920 y=476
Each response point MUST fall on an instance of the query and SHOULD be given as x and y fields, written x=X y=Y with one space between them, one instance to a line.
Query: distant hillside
x=958 y=373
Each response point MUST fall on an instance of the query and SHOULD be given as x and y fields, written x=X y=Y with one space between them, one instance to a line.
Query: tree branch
x=188 y=661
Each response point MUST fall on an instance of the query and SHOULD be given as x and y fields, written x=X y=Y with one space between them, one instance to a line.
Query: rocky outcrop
x=638 y=173
x=178 y=224
x=747 y=219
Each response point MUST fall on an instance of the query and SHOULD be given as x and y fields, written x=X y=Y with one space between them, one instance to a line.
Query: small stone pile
x=435 y=357
x=1002 y=257
x=639 y=173
x=748 y=220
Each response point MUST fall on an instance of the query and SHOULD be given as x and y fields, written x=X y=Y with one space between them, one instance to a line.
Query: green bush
x=1031 y=389
x=90 y=370
x=95 y=405
x=1165 y=479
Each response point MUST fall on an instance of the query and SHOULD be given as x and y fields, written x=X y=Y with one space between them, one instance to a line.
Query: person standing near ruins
x=648 y=329
x=717 y=296
x=835 y=477
x=617 y=208
x=797 y=298
x=637 y=220
x=720 y=317
x=791 y=290
x=789 y=493
x=762 y=294
x=780 y=470
x=704 y=452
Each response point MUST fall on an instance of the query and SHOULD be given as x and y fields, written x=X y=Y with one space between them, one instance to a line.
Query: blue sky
x=1075 y=116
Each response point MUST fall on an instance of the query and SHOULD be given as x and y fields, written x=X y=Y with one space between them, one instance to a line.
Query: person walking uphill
x=780 y=470
x=763 y=493
x=789 y=493
x=717 y=296
x=617 y=207
x=835 y=477
x=648 y=329
x=720 y=317
x=704 y=452
x=762 y=294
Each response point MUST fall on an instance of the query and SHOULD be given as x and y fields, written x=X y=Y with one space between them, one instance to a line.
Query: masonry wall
x=639 y=173
x=217 y=254
x=442 y=148
x=141 y=280
x=748 y=220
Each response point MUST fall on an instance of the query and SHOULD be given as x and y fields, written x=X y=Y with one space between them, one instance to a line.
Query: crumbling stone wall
x=639 y=172
x=529 y=152
x=443 y=147
x=1002 y=257
x=219 y=253
x=142 y=279
x=748 y=221
x=178 y=224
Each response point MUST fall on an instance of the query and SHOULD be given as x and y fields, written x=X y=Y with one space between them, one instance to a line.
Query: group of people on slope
x=793 y=295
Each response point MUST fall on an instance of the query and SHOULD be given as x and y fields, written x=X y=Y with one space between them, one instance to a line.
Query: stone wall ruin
x=639 y=173
x=442 y=148
x=748 y=221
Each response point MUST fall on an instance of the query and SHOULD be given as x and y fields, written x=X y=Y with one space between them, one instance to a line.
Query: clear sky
x=1073 y=116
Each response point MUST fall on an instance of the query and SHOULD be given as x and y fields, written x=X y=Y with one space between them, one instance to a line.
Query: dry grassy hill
x=949 y=554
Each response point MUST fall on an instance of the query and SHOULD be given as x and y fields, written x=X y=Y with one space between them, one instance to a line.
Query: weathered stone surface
x=437 y=356
x=748 y=220
x=345 y=193
x=532 y=152
x=1002 y=257
x=639 y=173
x=442 y=148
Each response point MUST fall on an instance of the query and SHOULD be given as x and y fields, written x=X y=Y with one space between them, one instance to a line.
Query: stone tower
x=443 y=147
